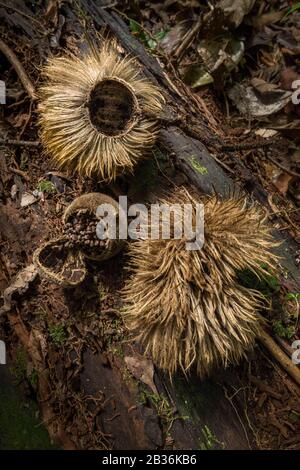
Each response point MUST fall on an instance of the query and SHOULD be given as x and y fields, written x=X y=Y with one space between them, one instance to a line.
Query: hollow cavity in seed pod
x=112 y=107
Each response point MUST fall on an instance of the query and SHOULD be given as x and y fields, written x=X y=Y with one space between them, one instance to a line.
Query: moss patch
x=265 y=283
x=21 y=427
x=196 y=165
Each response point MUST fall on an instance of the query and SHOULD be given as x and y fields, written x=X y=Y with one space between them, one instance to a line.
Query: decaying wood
x=284 y=360
x=32 y=346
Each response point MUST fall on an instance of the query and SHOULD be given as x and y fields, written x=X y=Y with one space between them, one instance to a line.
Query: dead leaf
x=218 y=57
x=235 y=10
x=264 y=88
x=174 y=37
x=282 y=182
x=27 y=199
x=251 y=103
x=266 y=133
x=287 y=77
x=142 y=369
x=19 y=286
x=267 y=18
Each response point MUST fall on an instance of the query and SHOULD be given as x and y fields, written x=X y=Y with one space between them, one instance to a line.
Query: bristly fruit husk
x=187 y=307
x=98 y=116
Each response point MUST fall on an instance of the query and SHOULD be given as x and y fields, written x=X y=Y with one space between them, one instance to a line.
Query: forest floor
x=98 y=385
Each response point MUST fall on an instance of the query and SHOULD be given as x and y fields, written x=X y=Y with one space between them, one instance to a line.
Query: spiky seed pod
x=97 y=114
x=90 y=202
x=59 y=265
x=187 y=307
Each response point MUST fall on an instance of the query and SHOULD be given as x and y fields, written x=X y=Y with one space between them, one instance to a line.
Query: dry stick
x=187 y=40
x=20 y=173
x=11 y=56
x=22 y=13
x=284 y=168
x=24 y=143
x=230 y=147
x=280 y=356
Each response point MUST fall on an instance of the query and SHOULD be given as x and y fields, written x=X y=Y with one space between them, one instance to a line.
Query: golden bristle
x=97 y=114
x=187 y=307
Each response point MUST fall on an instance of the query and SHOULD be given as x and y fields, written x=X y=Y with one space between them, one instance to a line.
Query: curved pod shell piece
x=57 y=265
x=90 y=202
x=98 y=116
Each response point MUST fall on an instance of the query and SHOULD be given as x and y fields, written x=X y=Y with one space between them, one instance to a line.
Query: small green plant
x=282 y=330
x=46 y=186
x=291 y=10
x=58 y=334
x=150 y=41
x=116 y=350
x=291 y=296
x=292 y=305
x=163 y=408
x=196 y=165
x=210 y=440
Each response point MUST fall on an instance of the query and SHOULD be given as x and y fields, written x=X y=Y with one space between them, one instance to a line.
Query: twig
x=13 y=59
x=187 y=39
x=284 y=168
x=164 y=175
x=280 y=356
x=223 y=164
x=264 y=387
x=24 y=143
x=245 y=146
x=19 y=172
x=20 y=12
x=26 y=120
x=237 y=414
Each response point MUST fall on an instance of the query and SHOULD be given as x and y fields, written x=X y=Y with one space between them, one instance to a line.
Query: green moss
x=209 y=441
x=21 y=427
x=58 y=334
x=46 y=186
x=116 y=350
x=196 y=165
x=283 y=330
x=197 y=403
x=149 y=41
x=266 y=283
x=164 y=409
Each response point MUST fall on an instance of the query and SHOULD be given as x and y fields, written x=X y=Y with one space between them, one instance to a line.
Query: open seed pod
x=81 y=220
x=98 y=115
x=187 y=308
x=59 y=265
